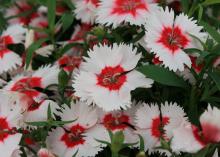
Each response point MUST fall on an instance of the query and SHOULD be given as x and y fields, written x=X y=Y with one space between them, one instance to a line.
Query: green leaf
x=63 y=79
x=51 y=4
x=69 y=4
x=185 y=5
x=141 y=143
x=212 y=31
x=200 y=12
x=74 y=155
x=32 y=48
x=40 y=123
x=163 y=76
x=49 y=114
x=67 y=20
x=216 y=78
x=211 y=2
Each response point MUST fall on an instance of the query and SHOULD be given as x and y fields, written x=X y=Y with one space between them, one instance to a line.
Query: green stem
x=115 y=154
x=193 y=105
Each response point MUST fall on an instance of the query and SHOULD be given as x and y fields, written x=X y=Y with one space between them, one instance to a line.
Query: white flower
x=167 y=36
x=116 y=12
x=189 y=138
x=9 y=60
x=154 y=123
x=210 y=124
x=11 y=109
x=78 y=136
x=85 y=10
x=107 y=77
x=41 y=78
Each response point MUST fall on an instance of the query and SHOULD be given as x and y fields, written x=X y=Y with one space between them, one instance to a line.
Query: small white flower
x=116 y=12
x=154 y=123
x=106 y=78
x=9 y=60
x=78 y=136
x=11 y=109
x=41 y=78
x=85 y=10
x=167 y=36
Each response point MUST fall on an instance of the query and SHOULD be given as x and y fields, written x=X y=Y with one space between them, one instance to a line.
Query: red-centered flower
x=154 y=123
x=74 y=136
x=116 y=122
x=129 y=7
x=118 y=12
x=85 y=10
x=167 y=35
x=173 y=39
x=112 y=78
x=107 y=76
x=27 y=85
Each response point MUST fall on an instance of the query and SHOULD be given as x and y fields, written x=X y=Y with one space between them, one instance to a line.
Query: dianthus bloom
x=86 y=10
x=167 y=36
x=194 y=138
x=116 y=12
x=9 y=60
x=11 y=109
x=107 y=77
x=154 y=123
x=79 y=136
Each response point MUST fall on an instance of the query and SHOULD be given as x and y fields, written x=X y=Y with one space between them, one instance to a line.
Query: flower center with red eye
x=116 y=122
x=74 y=136
x=129 y=7
x=70 y=63
x=112 y=77
x=209 y=134
x=173 y=39
x=157 y=126
x=4 y=42
x=4 y=129
x=27 y=85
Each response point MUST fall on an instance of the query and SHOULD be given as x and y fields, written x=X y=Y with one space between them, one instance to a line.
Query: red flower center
x=74 y=137
x=128 y=7
x=4 y=42
x=116 y=122
x=111 y=77
x=173 y=39
x=69 y=63
x=4 y=129
x=157 y=126
x=27 y=85
x=209 y=134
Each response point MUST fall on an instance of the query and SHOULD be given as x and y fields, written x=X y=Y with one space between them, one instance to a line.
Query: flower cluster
x=93 y=78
